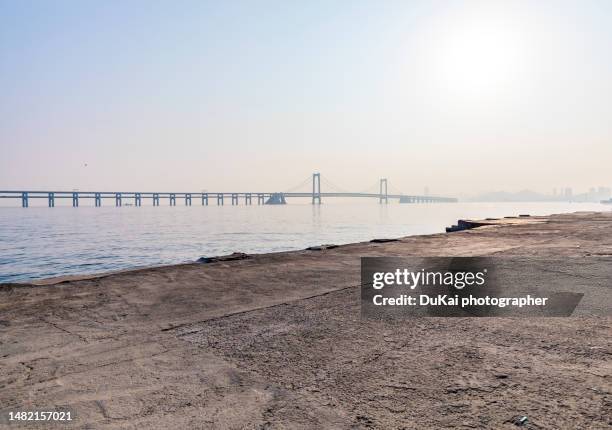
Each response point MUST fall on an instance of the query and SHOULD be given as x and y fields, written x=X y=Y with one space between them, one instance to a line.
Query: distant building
x=592 y=195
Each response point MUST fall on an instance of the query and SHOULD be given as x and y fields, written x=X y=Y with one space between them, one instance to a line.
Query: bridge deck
x=137 y=197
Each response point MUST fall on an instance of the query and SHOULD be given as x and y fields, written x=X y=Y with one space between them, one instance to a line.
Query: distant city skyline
x=459 y=97
x=566 y=194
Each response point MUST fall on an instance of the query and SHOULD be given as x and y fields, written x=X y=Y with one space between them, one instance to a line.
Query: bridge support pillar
x=97 y=200
x=260 y=199
x=204 y=199
x=172 y=199
x=316 y=188
x=155 y=199
x=383 y=195
x=187 y=199
x=75 y=200
x=219 y=199
x=118 y=199
x=137 y=199
x=247 y=199
x=51 y=200
x=25 y=200
x=234 y=199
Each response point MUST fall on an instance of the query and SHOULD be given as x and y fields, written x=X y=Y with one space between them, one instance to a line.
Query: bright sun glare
x=479 y=60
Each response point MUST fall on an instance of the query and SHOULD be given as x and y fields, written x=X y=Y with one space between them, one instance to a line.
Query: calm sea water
x=40 y=242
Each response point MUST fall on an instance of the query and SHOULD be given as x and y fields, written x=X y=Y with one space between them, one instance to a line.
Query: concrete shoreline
x=276 y=341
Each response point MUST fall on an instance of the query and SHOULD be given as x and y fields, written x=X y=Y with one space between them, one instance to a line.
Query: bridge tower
x=383 y=196
x=316 y=188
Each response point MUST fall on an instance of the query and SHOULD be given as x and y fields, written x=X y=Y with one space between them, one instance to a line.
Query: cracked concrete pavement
x=276 y=341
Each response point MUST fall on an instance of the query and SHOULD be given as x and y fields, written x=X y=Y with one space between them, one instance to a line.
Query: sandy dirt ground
x=277 y=341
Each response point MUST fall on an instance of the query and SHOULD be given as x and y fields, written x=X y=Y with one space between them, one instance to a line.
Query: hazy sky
x=256 y=95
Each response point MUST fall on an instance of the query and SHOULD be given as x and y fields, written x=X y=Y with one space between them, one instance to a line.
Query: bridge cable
x=393 y=189
x=332 y=186
x=300 y=185
x=372 y=189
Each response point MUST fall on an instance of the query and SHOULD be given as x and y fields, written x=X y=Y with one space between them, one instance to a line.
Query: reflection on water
x=41 y=242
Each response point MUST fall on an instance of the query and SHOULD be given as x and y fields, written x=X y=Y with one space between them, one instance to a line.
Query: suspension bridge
x=380 y=191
